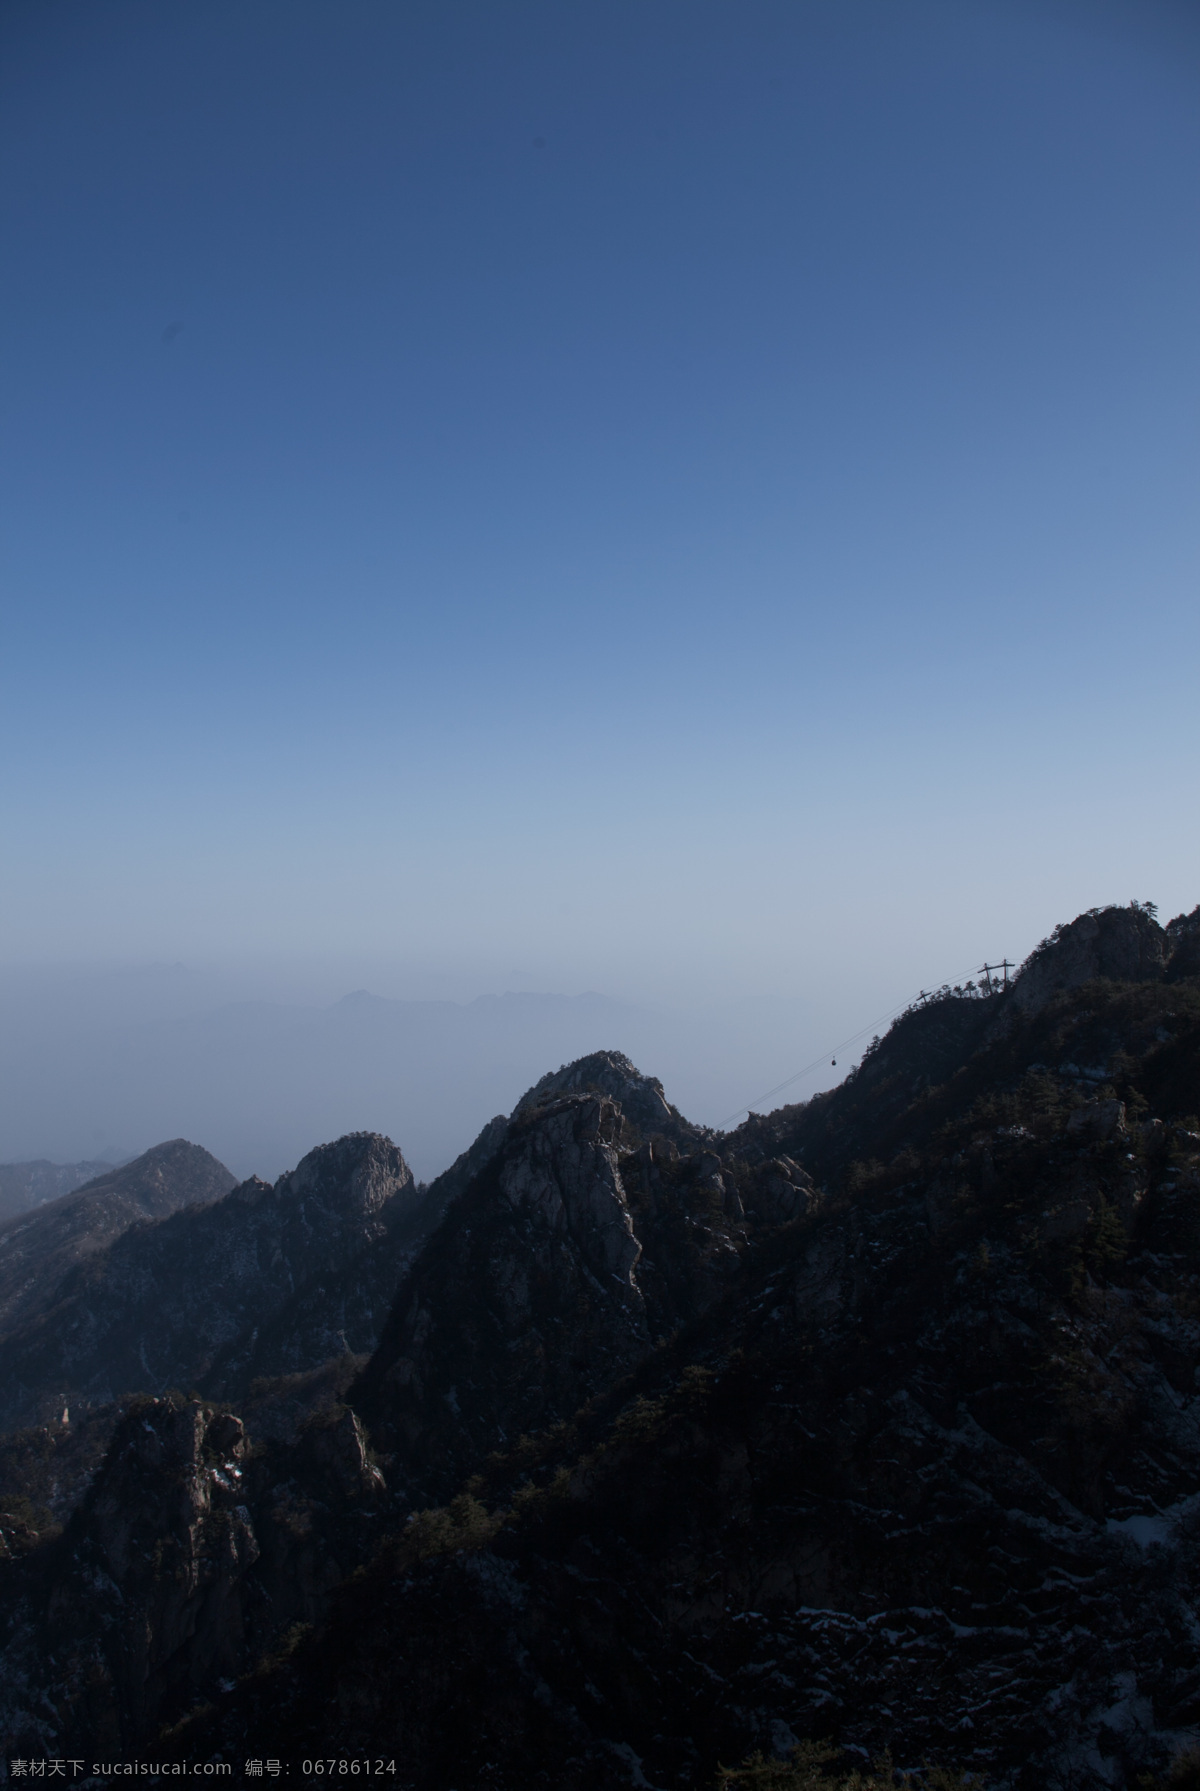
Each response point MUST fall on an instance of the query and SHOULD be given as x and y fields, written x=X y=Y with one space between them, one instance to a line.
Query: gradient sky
x=671 y=498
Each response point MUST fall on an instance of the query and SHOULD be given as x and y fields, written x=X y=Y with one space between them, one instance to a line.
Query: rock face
x=266 y=1280
x=39 y=1249
x=188 y=1557
x=346 y=1231
x=167 y=1530
x=640 y=1098
x=454 y=1181
x=1119 y=944
x=525 y=1303
x=578 y=1247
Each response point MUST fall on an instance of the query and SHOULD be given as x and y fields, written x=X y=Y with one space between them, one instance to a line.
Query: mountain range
x=261 y=1081
x=630 y=1449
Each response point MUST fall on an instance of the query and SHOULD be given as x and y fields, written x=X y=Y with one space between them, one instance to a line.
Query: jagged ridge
x=859 y=1419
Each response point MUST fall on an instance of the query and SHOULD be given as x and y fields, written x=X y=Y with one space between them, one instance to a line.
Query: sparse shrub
x=695 y=1386
x=533 y=1500
x=813 y=1766
x=640 y=1419
x=1184 y=1772
x=1108 y=1245
x=805 y=1769
x=446 y=1530
x=860 y=1176
x=981 y=1262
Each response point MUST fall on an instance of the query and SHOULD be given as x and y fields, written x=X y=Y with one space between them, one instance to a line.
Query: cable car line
x=832 y=1053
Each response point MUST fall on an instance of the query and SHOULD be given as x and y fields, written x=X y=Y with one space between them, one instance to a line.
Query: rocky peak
x=567 y=1170
x=169 y=1461
x=164 y=1178
x=267 y=1280
x=556 y=1271
x=39 y=1249
x=148 y=1605
x=360 y=1174
x=926 y=1475
x=640 y=1098
x=192 y=1551
x=523 y=1304
x=1121 y=944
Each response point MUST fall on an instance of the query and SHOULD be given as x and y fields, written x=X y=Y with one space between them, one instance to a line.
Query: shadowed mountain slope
x=946 y=1052
x=876 y=1418
x=24 y=1186
x=163 y=1582
x=266 y=1280
x=580 y=1245
x=40 y=1248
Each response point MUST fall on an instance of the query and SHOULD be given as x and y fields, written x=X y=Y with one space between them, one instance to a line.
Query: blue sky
x=677 y=499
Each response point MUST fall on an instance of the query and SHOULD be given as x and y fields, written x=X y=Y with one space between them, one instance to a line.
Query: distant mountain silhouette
x=264 y=1082
x=26 y=1185
x=38 y=1249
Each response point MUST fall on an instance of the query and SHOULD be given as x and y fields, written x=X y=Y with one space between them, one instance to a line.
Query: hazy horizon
x=261 y=1064
x=103 y=1063
x=691 y=503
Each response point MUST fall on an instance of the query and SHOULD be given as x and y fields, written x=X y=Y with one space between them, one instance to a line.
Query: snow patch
x=1146 y=1530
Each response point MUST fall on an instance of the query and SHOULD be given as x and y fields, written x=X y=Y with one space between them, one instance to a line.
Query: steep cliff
x=578 y=1247
x=192 y=1553
x=1118 y=944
